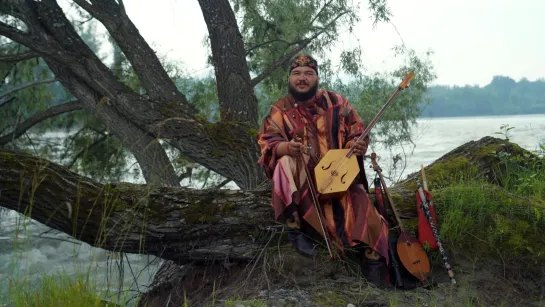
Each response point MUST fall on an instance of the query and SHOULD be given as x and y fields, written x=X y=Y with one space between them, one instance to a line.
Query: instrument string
x=361 y=137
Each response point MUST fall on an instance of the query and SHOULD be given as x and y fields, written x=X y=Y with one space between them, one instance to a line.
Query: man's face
x=303 y=83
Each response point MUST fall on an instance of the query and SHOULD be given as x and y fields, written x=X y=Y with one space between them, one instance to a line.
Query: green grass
x=506 y=222
x=55 y=290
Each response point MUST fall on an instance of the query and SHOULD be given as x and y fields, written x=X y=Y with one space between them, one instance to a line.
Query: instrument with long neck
x=343 y=161
x=410 y=251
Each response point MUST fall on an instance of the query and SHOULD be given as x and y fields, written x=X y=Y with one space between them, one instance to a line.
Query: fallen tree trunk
x=178 y=224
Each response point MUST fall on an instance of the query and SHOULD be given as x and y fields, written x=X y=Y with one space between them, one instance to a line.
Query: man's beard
x=302 y=96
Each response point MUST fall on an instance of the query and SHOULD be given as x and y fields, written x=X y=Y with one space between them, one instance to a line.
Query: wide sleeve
x=353 y=125
x=271 y=133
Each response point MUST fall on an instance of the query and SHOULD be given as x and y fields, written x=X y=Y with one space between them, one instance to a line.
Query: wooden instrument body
x=337 y=169
x=413 y=256
x=335 y=172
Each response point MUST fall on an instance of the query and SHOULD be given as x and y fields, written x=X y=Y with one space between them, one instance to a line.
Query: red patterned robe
x=332 y=124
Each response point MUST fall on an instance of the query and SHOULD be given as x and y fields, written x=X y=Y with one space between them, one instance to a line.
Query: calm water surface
x=438 y=136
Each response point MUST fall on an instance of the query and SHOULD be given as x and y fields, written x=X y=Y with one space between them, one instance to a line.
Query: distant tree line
x=503 y=96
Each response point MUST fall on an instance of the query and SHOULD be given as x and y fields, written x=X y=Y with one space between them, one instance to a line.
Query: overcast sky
x=473 y=40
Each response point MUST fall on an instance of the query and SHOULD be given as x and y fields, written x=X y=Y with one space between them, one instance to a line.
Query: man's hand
x=295 y=148
x=291 y=148
x=360 y=147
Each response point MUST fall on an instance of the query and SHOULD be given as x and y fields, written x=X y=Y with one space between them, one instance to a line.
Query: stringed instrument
x=338 y=168
x=410 y=251
x=431 y=219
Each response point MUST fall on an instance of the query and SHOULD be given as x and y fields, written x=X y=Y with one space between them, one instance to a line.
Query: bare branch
x=270 y=42
x=18 y=57
x=186 y=174
x=35 y=119
x=14 y=34
x=285 y=58
x=26 y=85
x=281 y=61
x=319 y=12
x=6 y=101
x=87 y=149
x=222 y=184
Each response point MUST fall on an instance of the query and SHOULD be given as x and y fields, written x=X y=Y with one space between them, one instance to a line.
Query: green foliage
x=24 y=103
x=202 y=94
x=504 y=130
x=275 y=28
x=503 y=96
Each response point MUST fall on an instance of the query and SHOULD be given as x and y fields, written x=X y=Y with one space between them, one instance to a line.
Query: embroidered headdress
x=304 y=60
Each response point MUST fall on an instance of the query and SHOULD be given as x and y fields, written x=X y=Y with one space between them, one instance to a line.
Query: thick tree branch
x=172 y=223
x=81 y=71
x=18 y=57
x=154 y=162
x=122 y=7
x=26 y=85
x=52 y=36
x=14 y=34
x=20 y=129
x=236 y=95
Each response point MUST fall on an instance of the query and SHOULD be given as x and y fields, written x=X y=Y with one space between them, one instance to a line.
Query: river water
x=29 y=249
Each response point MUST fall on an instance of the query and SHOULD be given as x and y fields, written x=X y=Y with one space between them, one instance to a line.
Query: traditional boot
x=374 y=268
x=302 y=243
x=298 y=239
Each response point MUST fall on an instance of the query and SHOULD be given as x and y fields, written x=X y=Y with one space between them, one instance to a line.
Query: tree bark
x=178 y=224
x=18 y=57
x=236 y=95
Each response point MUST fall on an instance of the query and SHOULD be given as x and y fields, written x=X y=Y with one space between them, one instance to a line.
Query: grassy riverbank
x=493 y=233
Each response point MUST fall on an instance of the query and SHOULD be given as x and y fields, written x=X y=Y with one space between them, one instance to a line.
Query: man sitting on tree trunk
x=306 y=124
